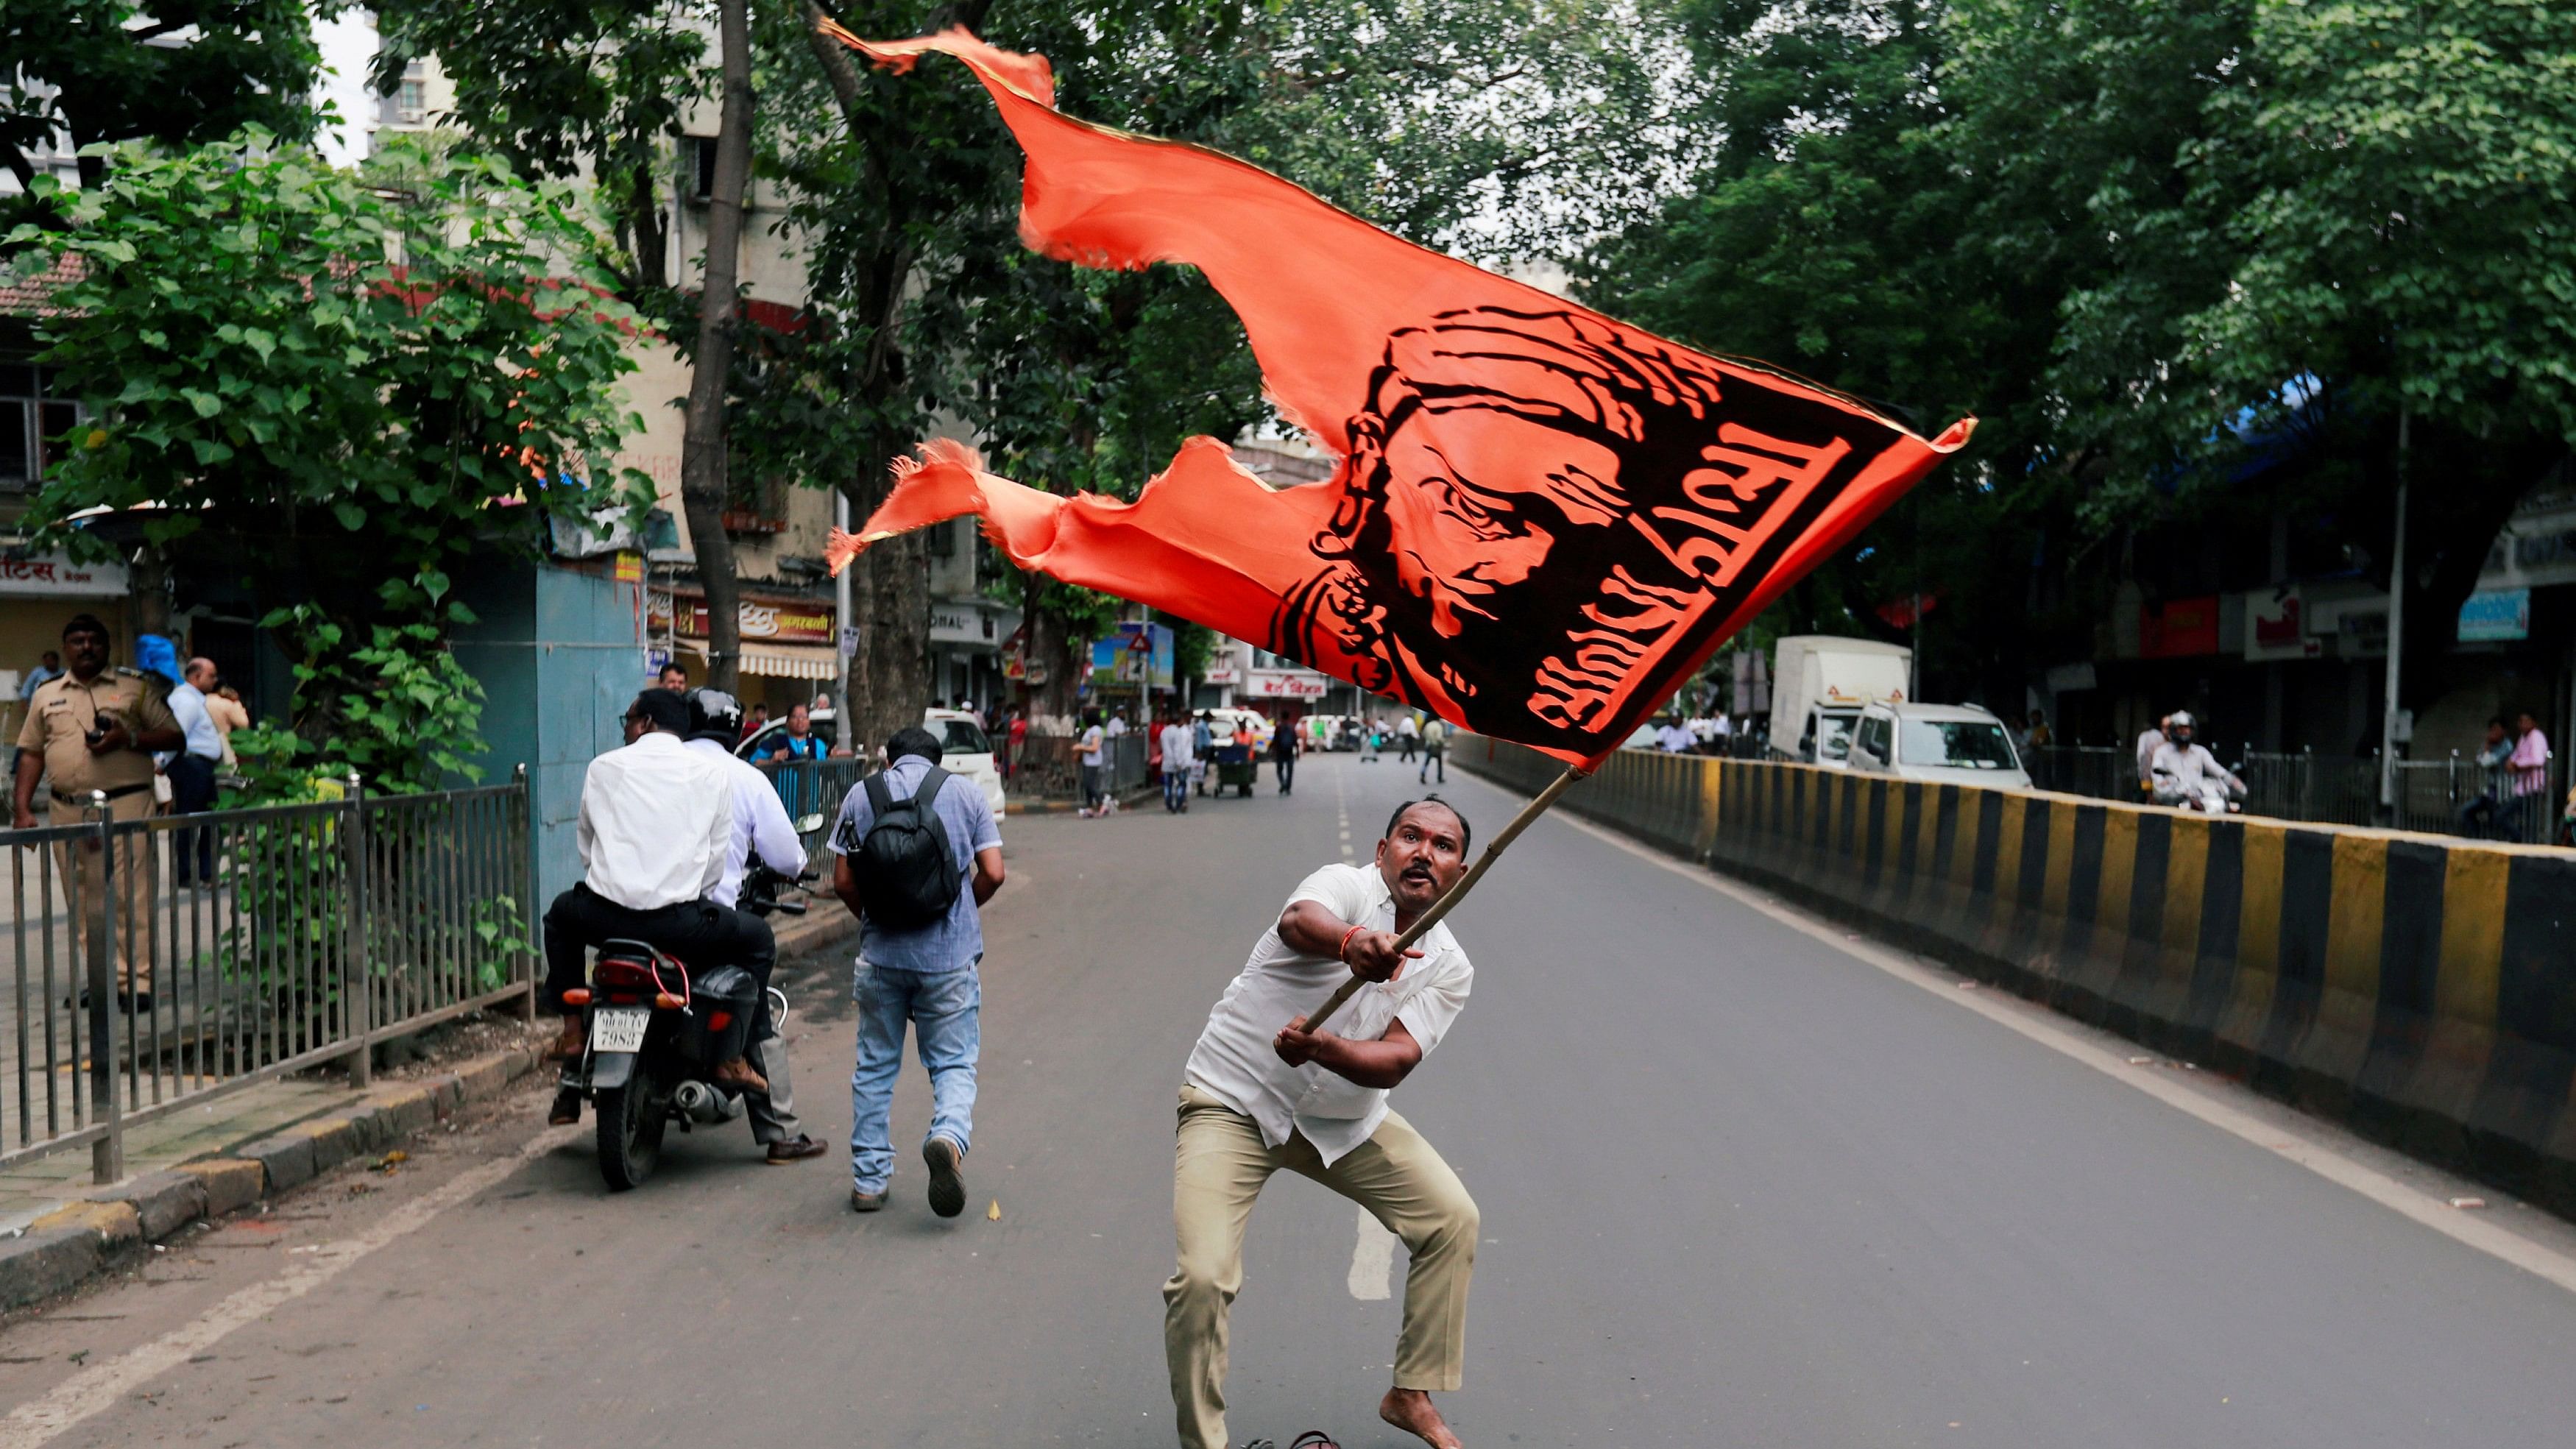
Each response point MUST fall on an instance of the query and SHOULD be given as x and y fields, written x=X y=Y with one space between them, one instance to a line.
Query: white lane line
x=1372 y=1261
x=2323 y=1159
x=104 y=1383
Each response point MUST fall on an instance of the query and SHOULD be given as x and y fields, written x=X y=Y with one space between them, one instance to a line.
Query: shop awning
x=780 y=661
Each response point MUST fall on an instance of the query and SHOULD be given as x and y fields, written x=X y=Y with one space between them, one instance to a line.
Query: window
x=699 y=155
x=411 y=102
x=1962 y=744
x=943 y=539
x=31 y=425
x=962 y=738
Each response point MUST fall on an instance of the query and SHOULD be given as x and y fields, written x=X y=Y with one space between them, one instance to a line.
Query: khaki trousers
x=1219 y=1166
x=85 y=879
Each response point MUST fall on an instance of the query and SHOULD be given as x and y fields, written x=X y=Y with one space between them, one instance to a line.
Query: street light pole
x=2396 y=627
x=841 y=631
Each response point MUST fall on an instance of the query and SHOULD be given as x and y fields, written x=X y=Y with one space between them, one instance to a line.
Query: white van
x=1957 y=744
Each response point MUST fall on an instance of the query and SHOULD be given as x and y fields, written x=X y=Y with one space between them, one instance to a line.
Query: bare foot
x=1411 y=1411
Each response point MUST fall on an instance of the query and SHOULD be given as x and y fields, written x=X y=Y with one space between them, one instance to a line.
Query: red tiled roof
x=32 y=296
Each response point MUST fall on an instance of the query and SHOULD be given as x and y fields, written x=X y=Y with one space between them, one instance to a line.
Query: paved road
x=1739 y=1188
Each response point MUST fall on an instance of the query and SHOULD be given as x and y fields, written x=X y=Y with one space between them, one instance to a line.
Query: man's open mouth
x=1417 y=873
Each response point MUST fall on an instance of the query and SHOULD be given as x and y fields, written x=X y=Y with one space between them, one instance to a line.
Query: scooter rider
x=760 y=827
x=656 y=830
x=2187 y=774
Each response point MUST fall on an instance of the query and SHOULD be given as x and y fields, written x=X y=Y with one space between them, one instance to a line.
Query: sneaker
x=946 y=1161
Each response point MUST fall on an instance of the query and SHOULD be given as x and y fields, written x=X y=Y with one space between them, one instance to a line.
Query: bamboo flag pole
x=1456 y=893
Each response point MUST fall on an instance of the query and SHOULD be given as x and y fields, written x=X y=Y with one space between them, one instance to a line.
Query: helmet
x=2179 y=720
x=714 y=715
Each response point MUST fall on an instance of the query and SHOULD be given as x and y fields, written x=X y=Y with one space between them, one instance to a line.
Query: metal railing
x=812 y=791
x=2448 y=797
x=1049 y=767
x=159 y=961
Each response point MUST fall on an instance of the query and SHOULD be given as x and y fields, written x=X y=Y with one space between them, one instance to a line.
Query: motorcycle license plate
x=619 y=1028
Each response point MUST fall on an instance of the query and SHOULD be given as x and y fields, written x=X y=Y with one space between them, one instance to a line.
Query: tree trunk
x=702 y=449
x=2455 y=515
x=1051 y=650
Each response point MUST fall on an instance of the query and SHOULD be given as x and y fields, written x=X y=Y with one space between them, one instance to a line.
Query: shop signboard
x=2178 y=628
x=2276 y=626
x=770 y=621
x=54 y=576
x=1289 y=686
x=2495 y=615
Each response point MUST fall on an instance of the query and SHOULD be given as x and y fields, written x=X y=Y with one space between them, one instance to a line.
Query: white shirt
x=1117 y=725
x=2148 y=743
x=1673 y=740
x=1406 y=726
x=188 y=706
x=1177 y=742
x=759 y=823
x=2188 y=767
x=1091 y=745
x=1233 y=1061
x=655 y=824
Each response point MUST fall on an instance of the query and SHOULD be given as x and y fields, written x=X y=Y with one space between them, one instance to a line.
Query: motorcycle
x=2213 y=797
x=656 y=1034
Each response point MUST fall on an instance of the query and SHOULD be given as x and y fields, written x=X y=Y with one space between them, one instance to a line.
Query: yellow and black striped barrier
x=2419 y=988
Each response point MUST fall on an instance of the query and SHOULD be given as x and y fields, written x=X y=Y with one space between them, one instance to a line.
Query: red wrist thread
x=1342 y=952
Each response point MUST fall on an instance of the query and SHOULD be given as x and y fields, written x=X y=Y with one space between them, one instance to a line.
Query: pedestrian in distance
x=48 y=668
x=229 y=714
x=1408 y=738
x=1283 y=757
x=2529 y=765
x=192 y=770
x=1202 y=750
x=1435 y=752
x=2495 y=784
x=759 y=721
x=1178 y=758
x=673 y=678
x=1261 y=1093
x=917 y=853
x=1092 y=751
x=93 y=729
x=1370 y=734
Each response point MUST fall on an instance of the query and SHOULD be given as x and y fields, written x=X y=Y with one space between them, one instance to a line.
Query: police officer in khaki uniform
x=94 y=728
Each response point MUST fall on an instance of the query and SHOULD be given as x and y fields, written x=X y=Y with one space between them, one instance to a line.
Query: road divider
x=2420 y=989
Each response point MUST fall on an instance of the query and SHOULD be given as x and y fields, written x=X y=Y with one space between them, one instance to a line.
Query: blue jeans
x=943 y=1008
x=1176 y=786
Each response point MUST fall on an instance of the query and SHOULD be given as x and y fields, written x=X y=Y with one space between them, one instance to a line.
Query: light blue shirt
x=188 y=705
x=35 y=680
x=951 y=944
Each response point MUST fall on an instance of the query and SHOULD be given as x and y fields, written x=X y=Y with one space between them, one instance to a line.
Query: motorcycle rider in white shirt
x=656 y=830
x=760 y=827
x=2189 y=776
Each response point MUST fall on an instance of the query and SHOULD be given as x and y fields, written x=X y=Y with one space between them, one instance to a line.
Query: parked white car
x=966 y=752
x=1953 y=743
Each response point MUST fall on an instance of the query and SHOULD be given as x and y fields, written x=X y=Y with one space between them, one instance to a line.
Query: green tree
x=85 y=72
x=352 y=385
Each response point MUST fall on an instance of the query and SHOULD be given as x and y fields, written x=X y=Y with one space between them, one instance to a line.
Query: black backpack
x=906 y=871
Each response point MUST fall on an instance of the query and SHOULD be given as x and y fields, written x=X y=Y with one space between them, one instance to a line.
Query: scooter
x=2214 y=797
x=656 y=1034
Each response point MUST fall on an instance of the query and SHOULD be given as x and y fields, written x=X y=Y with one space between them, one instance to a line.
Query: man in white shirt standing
x=1178 y=751
x=656 y=828
x=1261 y=1093
x=761 y=827
x=1095 y=760
x=192 y=770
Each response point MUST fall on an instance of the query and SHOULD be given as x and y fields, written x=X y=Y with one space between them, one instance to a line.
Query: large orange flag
x=1544 y=520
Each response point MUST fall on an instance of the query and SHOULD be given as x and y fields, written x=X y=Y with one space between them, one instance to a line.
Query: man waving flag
x=1543 y=521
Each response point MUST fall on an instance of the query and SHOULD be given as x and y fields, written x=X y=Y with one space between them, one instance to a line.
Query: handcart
x=1235 y=767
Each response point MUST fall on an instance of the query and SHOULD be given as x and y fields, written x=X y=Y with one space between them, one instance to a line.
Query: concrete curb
x=1069 y=807
x=66 y=1246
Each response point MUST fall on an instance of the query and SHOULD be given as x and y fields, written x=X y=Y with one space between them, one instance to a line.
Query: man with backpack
x=917 y=854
